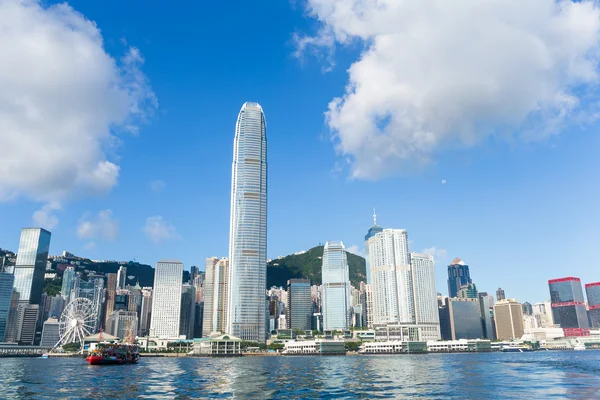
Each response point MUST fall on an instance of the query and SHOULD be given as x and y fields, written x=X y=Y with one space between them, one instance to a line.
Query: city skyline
x=471 y=200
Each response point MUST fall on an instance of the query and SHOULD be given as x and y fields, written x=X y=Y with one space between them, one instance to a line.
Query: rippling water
x=539 y=375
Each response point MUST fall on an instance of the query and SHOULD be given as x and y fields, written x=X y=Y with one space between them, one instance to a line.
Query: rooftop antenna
x=374 y=217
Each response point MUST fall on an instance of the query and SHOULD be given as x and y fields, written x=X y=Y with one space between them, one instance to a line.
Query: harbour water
x=536 y=375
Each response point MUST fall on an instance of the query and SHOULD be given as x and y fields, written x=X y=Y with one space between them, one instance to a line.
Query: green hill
x=308 y=265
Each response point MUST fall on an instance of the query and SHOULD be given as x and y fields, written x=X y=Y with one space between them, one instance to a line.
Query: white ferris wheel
x=76 y=321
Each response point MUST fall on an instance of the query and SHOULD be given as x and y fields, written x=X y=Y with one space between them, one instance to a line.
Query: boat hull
x=98 y=360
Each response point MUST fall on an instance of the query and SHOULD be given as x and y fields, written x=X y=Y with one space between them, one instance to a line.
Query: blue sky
x=518 y=211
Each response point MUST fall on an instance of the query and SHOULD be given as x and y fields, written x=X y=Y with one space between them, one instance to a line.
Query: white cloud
x=354 y=249
x=101 y=226
x=157 y=186
x=62 y=100
x=90 y=246
x=435 y=74
x=158 y=230
x=437 y=253
x=45 y=218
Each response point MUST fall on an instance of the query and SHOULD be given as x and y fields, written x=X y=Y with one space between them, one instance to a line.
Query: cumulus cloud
x=158 y=230
x=101 y=226
x=63 y=100
x=45 y=217
x=434 y=74
x=437 y=253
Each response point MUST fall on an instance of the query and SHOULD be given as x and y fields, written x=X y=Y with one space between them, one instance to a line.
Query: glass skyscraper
x=336 y=308
x=31 y=264
x=247 y=311
x=593 y=297
x=568 y=303
x=458 y=275
x=299 y=304
x=6 y=291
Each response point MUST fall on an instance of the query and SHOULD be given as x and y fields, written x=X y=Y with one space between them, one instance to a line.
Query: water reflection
x=498 y=375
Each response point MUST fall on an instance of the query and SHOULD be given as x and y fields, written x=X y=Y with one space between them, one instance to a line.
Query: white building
x=166 y=300
x=391 y=277
x=336 y=307
x=425 y=295
x=216 y=295
x=247 y=312
x=318 y=346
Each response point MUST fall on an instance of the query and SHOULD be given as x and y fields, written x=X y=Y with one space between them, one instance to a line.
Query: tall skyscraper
x=50 y=333
x=166 y=300
x=93 y=290
x=500 y=294
x=508 y=315
x=299 y=304
x=216 y=296
x=31 y=264
x=145 y=312
x=67 y=282
x=392 y=279
x=593 y=297
x=111 y=292
x=122 y=277
x=6 y=291
x=246 y=315
x=336 y=306
x=568 y=305
x=425 y=295
x=375 y=229
x=188 y=311
x=458 y=275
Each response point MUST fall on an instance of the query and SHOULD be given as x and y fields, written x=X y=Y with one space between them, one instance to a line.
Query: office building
x=50 y=333
x=392 y=280
x=246 y=314
x=500 y=294
x=335 y=287
x=216 y=296
x=6 y=292
x=458 y=275
x=486 y=318
x=145 y=312
x=468 y=291
x=592 y=291
x=373 y=230
x=188 y=311
x=111 y=292
x=93 y=290
x=527 y=308
x=299 y=305
x=166 y=301
x=27 y=315
x=198 y=319
x=464 y=316
x=122 y=277
x=508 y=315
x=568 y=304
x=31 y=265
x=425 y=295
x=123 y=324
x=366 y=293
x=67 y=282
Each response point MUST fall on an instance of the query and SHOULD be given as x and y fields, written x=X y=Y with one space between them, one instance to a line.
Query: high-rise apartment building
x=465 y=318
x=335 y=292
x=425 y=295
x=166 y=301
x=592 y=291
x=500 y=294
x=508 y=315
x=67 y=282
x=392 y=279
x=31 y=264
x=6 y=292
x=458 y=275
x=216 y=296
x=366 y=296
x=373 y=230
x=568 y=305
x=246 y=315
x=299 y=305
